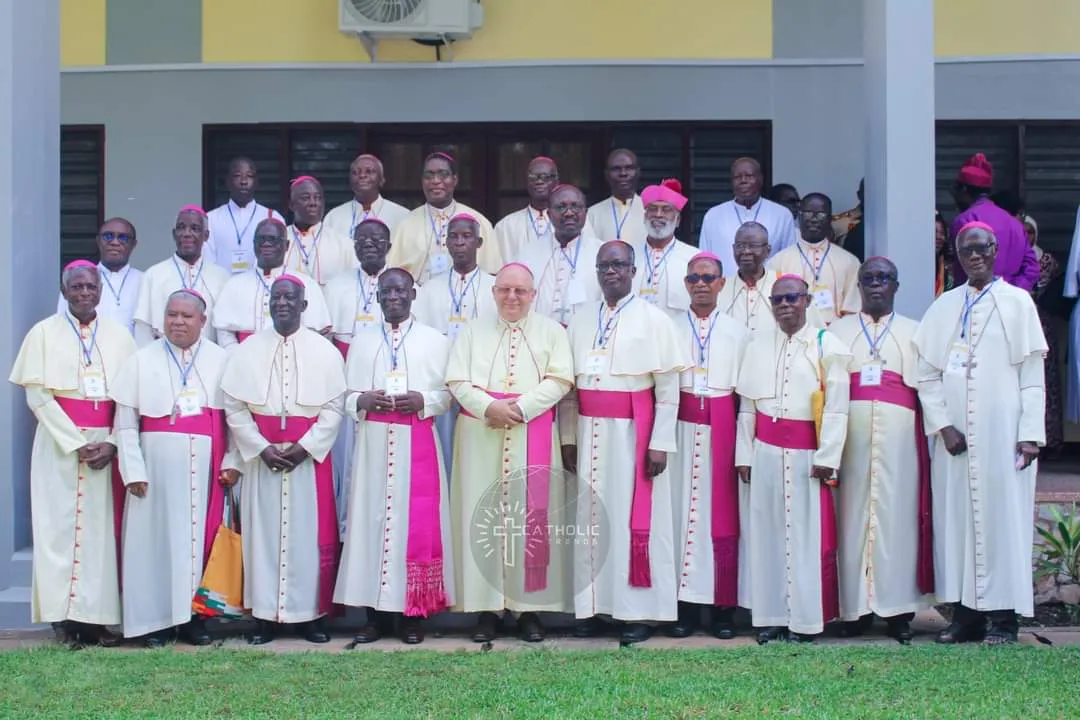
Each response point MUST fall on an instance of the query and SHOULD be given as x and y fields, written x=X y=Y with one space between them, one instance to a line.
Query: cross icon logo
x=510 y=528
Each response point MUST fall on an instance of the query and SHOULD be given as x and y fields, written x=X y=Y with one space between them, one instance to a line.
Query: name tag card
x=958 y=359
x=648 y=293
x=439 y=263
x=701 y=380
x=93 y=385
x=822 y=297
x=870 y=375
x=575 y=293
x=454 y=326
x=363 y=321
x=596 y=363
x=187 y=403
x=396 y=383
x=240 y=261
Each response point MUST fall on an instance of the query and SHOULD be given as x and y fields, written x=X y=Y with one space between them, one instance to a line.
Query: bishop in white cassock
x=621 y=216
x=315 y=249
x=563 y=266
x=366 y=179
x=119 y=281
x=660 y=258
x=67 y=364
x=397 y=554
x=531 y=225
x=244 y=306
x=627 y=358
x=982 y=388
x=831 y=271
x=284 y=391
x=419 y=242
x=791 y=467
x=886 y=553
x=188 y=269
x=508 y=372
x=721 y=222
x=171 y=441
x=709 y=554
x=232 y=225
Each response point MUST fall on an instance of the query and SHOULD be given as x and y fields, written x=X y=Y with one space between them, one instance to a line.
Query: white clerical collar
x=402 y=326
x=114 y=273
x=514 y=324
x=823 y=243
x=654 y=248
x=758 y=284
x=313 y=229
x=236 y=209
x=619 y=305
x=376 y=205
x=752 y=206
x=76 y=321
x=869 y=320
x=466 y=275
x=366 y=274
x=625 y=203
x=194 y=266
x=178 y=351
x=449 y=211
x=274 y=272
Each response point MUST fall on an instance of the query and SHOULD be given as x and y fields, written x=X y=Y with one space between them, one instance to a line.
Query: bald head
x=366 y=178
x=623 y=173
x=241 y=180
x=514 y=292
x=746 y=180
x=307 y=202
x=396 y=294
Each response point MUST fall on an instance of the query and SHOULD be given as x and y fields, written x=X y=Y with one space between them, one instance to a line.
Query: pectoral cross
x=970 y=364
x=508 y=381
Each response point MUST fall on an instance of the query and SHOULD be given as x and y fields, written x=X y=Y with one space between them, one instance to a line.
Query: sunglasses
x=122 y=238
x=707 y=278
x=876 y=279
x=976 y=249
x=789 y=298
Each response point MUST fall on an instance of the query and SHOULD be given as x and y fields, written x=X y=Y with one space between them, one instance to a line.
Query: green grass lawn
x=846 y=681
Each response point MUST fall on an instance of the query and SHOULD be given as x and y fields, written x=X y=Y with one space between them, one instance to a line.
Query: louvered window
x=262 y=144
x=326 y=155
x=82 y=189
x=712 y=152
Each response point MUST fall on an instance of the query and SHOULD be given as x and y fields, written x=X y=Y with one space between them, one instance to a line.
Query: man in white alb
x=531 y=225
x=366 y=180
x=314 y=248
x=621 y=216
x=119 y=281
x=232 y=225
x=661 y=257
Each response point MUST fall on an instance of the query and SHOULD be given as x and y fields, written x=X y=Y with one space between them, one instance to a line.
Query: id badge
x=596 y=363
x=649 y=294
x=701 y=380
x=454 y=325
x=575 y=293
x=240 y=261
x=363 y=321
x=958 y=359
x=870 y=375
x=93 y=385
x=439 y=263
x=187 y=403
x=823 y=298
x=396 y=383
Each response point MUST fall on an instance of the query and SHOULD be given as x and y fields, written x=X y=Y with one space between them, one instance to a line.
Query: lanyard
x=183 y=276
x=875 y=344
x=458 y=300
x=437 y=231
x=969 y=305
x=87 y=350
x=738 y=215
x=116 y=294
x=251 y=218
x=390 y=346
x=184 y=371
x=367 y=214
x=650 y=271
x=702 y=345
x=615 y=216
x=602 y=332
x=314 y=245
x=362 y=293
x=577 y=254
x=535 y=227
x=821 y=265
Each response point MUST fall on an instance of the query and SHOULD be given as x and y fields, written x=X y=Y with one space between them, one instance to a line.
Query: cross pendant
x=969 y=364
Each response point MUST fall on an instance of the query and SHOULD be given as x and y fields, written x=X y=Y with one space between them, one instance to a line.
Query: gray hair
x=66 y=276
x=190 y=296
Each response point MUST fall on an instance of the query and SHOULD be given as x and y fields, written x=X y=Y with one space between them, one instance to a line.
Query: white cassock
x=170 y=435
x=290 y=528
x=749 y=304
x=419 y=242
x=565 y=278
x=519 y=231
x=613 y=219
x=990 y=386
x=73 y=509
x=722 y=221
x=792 y=530
x=165 y=278
x=119 y=291
x=878 y=502
x=627 y=362
x=1072 y=290
x=709 y=544
x=385 y=486
x=231 y=245
x=344 y=218
x=661 y=274
x=830 y=271
x=319 y=252
x=531 y=360
x=244 y=306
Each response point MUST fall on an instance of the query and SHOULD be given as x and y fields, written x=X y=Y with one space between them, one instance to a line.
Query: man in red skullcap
x=1016 y=261
x=366 y=180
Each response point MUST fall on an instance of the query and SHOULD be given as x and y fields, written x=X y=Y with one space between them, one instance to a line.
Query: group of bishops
x=418 y=412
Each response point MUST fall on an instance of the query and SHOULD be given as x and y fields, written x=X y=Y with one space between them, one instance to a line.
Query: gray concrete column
x=898 y=87
x=29 y=232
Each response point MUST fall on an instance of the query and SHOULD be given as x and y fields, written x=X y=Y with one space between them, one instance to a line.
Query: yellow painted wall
x=1006 y=27
x=82 y=32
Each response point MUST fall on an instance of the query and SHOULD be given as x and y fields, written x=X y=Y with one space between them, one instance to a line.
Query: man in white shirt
x=366 y=178
x=531 y=225
x=119 y=281
x=723 y=221
x=232 y=225
x=621 y=216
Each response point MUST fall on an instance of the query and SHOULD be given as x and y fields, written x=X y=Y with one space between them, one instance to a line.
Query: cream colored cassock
x=373 y=564
x=319 y=252
x=419 y=242
x=164 y=532
x=777 y=379
x=302 y=375
x=71 y=506
x=244 y=305
x=165 y=278
x=750 y=304
x=661 y=274
x=831 y=272
x=878 y=498
x=530 y=358
x=565 y=278
x=983 y=507
x=644 y=352
x=344 y=218
x=519 y=231
x=724 y=340
x=613 y=219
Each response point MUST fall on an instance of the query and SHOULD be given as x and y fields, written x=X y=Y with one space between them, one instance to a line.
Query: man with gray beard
x=653 y=282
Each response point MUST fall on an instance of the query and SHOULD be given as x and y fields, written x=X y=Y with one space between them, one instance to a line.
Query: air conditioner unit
x=418 y=19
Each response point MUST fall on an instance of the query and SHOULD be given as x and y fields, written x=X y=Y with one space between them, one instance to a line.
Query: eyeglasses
x=515 y=291
x=437 y=175
x=622 y=168
x=564 y=208
x=122 y=238
x=707 y=278
x=877 y=278
x=976 y=249
x=744 y=246
x=789 y=298
x=615 y=265
x=543 y=177
x=814 y=214
x=269 y=240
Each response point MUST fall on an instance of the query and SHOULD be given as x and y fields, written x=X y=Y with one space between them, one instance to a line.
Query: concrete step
x=22 y=568
x=15 y=609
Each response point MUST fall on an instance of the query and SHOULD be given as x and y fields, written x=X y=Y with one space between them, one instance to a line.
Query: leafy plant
x=1061 y=548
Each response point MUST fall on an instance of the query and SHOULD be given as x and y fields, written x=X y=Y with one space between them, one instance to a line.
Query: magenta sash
x=425 y=588
x=537 y=493
x=87 y=414
x=719 y=414
x=893 y=391
x=242 y=335
x=329 y=546
x=802 y=435
x=343 y=348
x=211 y=424
x=640 y=407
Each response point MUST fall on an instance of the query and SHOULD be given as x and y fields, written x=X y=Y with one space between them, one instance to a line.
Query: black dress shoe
x=486 y=629
x=265 y=632
x=687 y=623
x=96 y=635
x=961 y=633
x=315 y=632
x=772 y=633
x=851 y=629
x=899 y=629
x=723 y=624
x=158 y=639
x=529 y=628
x=412 y=631
x=195 y=632
x=634 y=633
x=590 y=628
x=65 y=633
x=368 y=634
x=801 y=637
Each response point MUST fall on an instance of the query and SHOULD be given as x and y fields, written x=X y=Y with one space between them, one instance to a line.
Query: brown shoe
x=412 y=631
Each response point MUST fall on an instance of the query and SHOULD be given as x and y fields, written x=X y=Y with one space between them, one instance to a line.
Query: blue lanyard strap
x=259 y=274
x=702 y=345
x=875 y=343
x=536 y=230
x=650 y=271
x=183 y=276
x=87 y=350
x=314 y=245
x=738 y=213
x=184 y=371
x=821 y=265
x=577 y=254
x=602 y=329
x=615 y=216
x=435 y=230
x=390 y=345
x=117 y=295
x=367 y=214
x=969 y=305
x=361 y=282
x=458 y=300
x=251 y=218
